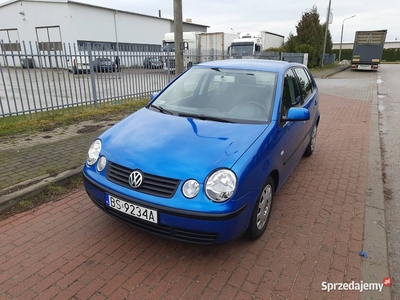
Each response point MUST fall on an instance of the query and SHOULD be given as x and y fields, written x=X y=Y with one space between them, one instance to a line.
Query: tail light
x=353 y=66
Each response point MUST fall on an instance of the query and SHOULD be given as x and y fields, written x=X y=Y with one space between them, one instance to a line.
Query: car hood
x=176 y=147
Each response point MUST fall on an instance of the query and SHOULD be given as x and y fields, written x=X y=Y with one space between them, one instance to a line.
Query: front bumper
x=187 y=226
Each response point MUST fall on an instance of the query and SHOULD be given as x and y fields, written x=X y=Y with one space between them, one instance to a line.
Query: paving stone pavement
x=69 y=249
x=33 y=155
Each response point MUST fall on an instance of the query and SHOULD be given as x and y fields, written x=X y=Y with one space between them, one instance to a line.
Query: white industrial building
x=59 y=22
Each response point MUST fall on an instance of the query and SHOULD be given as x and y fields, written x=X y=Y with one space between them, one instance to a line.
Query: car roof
x=251 y=64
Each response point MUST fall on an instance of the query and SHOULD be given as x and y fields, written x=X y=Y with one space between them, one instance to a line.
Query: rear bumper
x=361 y=66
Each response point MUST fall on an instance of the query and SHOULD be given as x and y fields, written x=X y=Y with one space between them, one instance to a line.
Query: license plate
x=131 y=209
x=364 y=67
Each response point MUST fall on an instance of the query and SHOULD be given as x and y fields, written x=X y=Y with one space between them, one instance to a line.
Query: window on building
x=9 y=39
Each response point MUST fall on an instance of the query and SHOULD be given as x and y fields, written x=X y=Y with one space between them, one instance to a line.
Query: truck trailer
x=198 y=47
x=251 y=44
x=368 y=49
x=215 y=45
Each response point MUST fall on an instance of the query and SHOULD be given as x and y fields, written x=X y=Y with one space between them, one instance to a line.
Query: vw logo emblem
x=135 y=179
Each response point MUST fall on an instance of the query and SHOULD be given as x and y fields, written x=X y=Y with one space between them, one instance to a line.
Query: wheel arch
x=275 y=177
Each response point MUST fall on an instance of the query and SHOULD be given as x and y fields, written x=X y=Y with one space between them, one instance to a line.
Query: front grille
x=179 y=234
x=152 y=184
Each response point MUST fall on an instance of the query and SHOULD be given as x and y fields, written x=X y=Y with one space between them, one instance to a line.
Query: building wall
x=82 y=22
x=190 y=27
x=97 y=24
x=26 y=16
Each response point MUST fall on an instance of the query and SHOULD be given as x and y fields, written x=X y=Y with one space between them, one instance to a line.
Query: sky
x=279 y=17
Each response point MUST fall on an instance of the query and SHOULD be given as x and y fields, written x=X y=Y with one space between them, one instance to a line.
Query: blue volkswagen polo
x=203 y=160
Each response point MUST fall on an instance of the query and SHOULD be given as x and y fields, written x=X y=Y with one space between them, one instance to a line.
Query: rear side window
x=305 y=82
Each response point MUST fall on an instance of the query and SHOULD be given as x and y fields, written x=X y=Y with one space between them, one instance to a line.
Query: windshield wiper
x=204 y=117
x=162 y=109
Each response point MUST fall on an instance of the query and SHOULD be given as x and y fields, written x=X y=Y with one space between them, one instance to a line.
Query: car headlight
x=220 y=185
x=190 y=188
x=93 y=153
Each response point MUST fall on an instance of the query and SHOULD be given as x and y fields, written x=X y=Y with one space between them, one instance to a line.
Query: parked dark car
x=104 y=65
x=152 y=63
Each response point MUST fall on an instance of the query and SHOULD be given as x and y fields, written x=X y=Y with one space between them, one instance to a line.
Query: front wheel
x=262 y=210
x=311 y=144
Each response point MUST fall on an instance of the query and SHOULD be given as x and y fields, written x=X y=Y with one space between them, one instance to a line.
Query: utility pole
x=178 y=34
x=326 y=33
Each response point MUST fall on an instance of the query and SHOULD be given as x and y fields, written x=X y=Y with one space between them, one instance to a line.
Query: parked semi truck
x=368 y=49
x=197 y=47
x=251 y=44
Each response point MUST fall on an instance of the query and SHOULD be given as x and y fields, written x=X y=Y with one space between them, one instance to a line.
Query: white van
x=78 y=64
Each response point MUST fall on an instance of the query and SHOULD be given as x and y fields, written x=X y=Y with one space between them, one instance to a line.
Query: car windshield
x=242 y=49
x=239 y=96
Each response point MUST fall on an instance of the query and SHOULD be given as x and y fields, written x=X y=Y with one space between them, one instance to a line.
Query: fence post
x=168 y=65
x=92 y=76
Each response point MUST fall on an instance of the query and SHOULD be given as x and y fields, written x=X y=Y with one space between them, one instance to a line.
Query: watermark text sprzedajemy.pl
x=356 y=286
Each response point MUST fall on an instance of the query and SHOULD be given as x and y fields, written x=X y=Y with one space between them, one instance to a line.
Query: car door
x=310 y=96
x=293 y=131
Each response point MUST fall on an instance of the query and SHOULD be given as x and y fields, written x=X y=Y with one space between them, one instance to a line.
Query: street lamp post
x=341 y=36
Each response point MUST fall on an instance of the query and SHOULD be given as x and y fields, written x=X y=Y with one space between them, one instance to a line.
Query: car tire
x=262 y=210
x=311 y=144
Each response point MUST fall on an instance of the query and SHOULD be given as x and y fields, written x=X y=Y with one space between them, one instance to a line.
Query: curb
x=336 y=71
x=37 y=186
x=376 y=266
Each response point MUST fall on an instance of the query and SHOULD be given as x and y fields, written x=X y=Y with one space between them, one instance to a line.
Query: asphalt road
x=389 y=120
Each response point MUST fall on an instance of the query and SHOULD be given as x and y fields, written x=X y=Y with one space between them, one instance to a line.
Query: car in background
x=204 y=159
x=152 y=63
x=78 y=64
x=103 y=64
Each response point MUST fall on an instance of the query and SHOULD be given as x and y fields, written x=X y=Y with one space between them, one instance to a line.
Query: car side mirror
x=297 y=114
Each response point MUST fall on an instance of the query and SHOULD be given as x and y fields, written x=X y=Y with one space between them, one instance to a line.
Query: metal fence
x=301 y=58
x=38 y=78
x=42 y=77
x=329 y=59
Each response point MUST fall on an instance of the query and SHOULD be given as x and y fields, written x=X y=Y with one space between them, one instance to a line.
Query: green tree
x=329 y=44
x=291 y=43
x=310 y=36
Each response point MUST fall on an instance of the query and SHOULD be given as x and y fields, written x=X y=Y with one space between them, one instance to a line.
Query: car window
x=305 y=82
x=291 y=95
x=237 y=95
